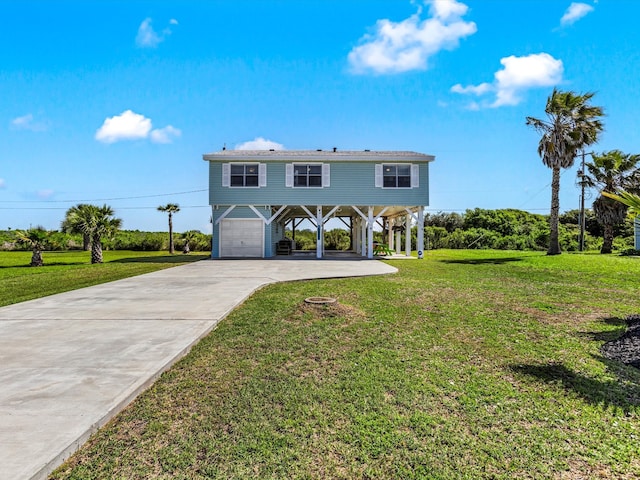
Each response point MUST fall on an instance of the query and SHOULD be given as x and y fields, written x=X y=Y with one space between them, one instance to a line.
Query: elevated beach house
x=255 y=196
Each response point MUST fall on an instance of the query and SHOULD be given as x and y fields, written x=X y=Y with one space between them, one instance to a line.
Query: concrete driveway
x=70 y=362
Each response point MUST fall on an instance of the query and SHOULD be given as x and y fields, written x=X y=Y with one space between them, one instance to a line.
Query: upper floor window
x=397 y=175
x=244 y=175
x=307 y=175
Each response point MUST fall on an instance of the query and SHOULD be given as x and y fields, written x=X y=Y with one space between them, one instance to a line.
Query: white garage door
x=241 y=238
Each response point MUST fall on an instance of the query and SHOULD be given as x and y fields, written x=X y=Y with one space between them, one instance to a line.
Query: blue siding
x=276 y=233
x=351 y=184
x=636 y=224
x=215 y=241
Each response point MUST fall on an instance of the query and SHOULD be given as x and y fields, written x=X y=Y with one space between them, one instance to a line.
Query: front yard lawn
x=467 y=364
x=63 y=271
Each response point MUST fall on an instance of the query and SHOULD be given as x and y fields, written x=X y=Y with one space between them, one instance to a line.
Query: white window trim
x=226 y=174
x=325 y=176
x=415 y=176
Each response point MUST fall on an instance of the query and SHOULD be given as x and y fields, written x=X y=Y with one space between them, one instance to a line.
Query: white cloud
x=148 y=37
x=22 y=122
x=575 y=12
x=164 y=135
x=518 y=75
x=472 y=89
x=521 y=73
x=260 y=143
x=126 y=126
x=473 y=106
x=134 y=126
x=3 y=184
x=407 y=45
x=45 y=193
x=27 y=122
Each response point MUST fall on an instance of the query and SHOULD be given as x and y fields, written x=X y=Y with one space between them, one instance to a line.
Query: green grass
x=468 y=364
x=65 y=271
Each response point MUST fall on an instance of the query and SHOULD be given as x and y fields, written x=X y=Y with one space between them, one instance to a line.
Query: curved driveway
x=70 y=362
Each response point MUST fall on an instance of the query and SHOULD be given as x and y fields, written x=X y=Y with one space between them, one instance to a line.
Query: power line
x=118 y=208
x=105 y=199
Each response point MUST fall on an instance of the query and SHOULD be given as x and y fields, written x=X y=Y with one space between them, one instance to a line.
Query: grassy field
x=65 y=271
x=469 y=364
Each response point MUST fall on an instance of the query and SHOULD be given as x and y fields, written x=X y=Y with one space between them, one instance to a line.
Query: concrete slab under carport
x=70 y=362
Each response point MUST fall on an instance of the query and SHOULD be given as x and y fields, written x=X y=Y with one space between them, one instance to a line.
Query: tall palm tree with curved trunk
x=170 y=208
x=571 y=124
x=36 y=239
x=609 y=172
x=95 y=222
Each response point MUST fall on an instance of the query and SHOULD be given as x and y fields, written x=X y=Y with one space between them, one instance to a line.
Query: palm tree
x=95 y=222
x=610 y=172
x=171 y=208
x=36 y=239
x=68 y=224
x=571 y=124
x=631 y=200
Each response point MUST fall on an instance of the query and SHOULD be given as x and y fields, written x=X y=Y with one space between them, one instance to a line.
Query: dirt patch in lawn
x=626 y=348
x=330 y=310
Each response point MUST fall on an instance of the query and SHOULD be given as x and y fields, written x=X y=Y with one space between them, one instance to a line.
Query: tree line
x=502 y=229
x=137 y=240
x=93 y=227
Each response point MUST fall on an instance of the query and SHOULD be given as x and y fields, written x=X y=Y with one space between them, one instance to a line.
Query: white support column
x=407 y=236
x=392 y=223
x=398 y=237
x=420 y=240
x=320 y=232
x=363 y=237
x=370 y=222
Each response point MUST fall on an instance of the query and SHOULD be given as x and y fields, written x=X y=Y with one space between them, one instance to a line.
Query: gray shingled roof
x=324 y=155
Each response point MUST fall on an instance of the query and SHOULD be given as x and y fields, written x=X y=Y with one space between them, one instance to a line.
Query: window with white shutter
x=397 y=175
x=226 y=174
x=262 y=174
x=415 y=176
x=326 y=175
x=307 y=175
x=244 y=175
x=379 y=176
x=288 y=175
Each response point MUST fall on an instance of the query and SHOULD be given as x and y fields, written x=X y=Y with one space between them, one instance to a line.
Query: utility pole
x=581 y=174
x=582 y=220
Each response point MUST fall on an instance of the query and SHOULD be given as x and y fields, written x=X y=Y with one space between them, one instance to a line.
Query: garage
x=241 y=237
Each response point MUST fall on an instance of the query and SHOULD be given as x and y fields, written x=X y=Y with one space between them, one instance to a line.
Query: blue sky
x=115 y=102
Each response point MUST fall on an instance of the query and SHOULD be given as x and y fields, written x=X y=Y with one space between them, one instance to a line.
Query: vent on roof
x=318 y=150
x=272 y=149
x=334 y=149
x=367 y=150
